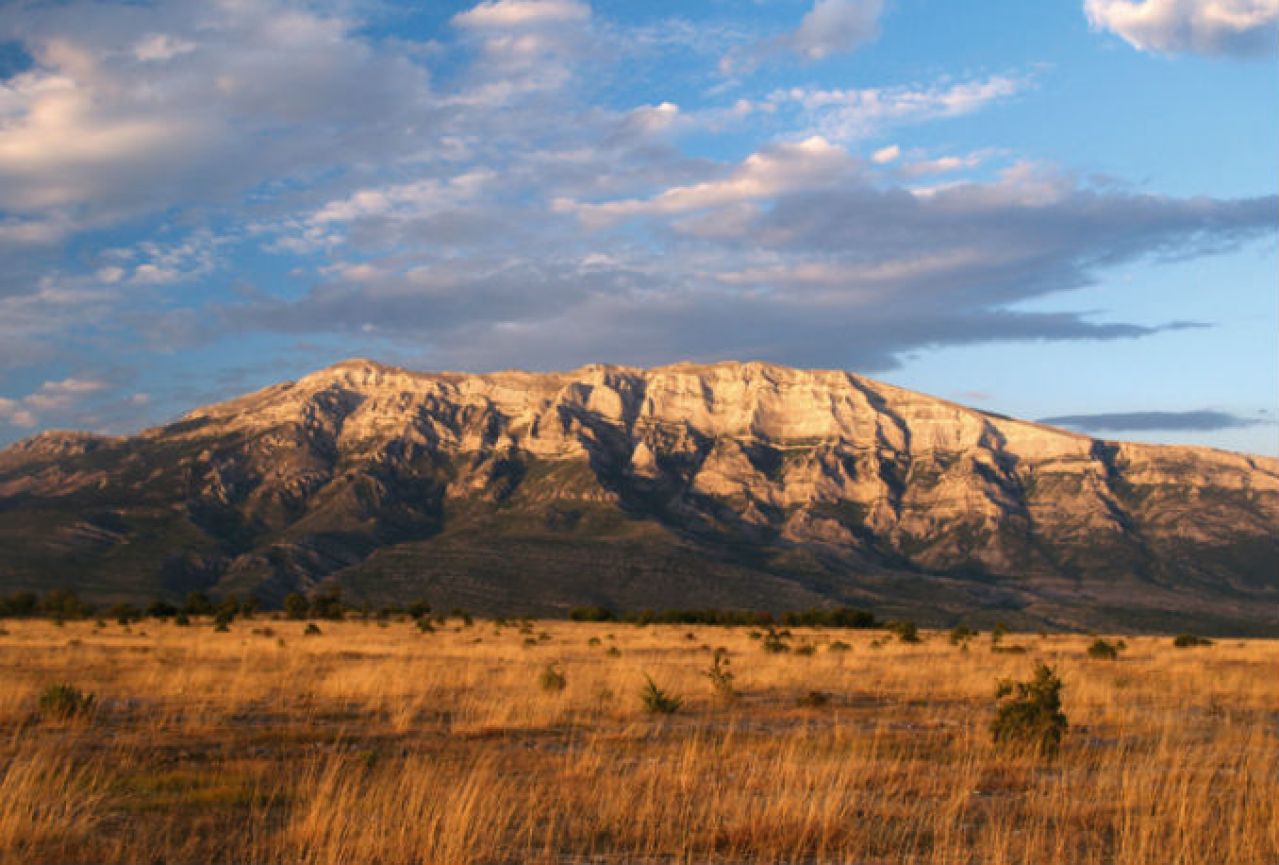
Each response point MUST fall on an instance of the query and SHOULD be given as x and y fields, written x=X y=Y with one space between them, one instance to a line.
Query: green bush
x=311 y=630
x=960 y=635
x=197 y=604
x=1190 y=641
x=552 y=678
x=65 y=701
x=998 y=633
x=296 y=606
x=905 y=630
x=591 y=614
x=1103 y=650
x=657 y=701
x=720 y=676
x=774 y=644
x=1028 y=714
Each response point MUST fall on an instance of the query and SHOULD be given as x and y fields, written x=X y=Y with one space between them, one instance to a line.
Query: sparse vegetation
x=720 y=676
x=1104 y=650
x=376 y=745
x=62 y=702
x=905 y=630
x=1190 y=641
x=658 y=701
x=552 y=678
x=1028 y=715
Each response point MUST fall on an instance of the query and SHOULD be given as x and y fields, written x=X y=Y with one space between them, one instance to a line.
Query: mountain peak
x=742 y=484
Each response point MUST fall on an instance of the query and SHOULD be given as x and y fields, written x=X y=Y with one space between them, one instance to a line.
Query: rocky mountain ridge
x=730 y=484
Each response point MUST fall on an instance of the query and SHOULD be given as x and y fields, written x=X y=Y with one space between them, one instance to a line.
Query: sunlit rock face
x=743 y=484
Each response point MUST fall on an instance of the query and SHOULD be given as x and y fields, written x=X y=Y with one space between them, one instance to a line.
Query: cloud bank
x=1240 y=28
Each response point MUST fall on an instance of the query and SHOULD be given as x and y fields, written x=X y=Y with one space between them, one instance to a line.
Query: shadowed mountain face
x=730 y=485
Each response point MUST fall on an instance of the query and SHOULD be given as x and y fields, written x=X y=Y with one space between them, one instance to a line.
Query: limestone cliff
x=742 y=484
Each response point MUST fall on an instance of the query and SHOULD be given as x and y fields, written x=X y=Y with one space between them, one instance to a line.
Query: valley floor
x=375 y=743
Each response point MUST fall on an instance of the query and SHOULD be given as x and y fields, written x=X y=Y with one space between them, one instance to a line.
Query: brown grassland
x=375 y=743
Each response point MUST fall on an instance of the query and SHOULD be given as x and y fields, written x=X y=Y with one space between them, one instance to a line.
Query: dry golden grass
x=382 y=745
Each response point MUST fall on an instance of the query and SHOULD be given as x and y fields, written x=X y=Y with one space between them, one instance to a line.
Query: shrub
x=720 y=676
x=311 y=630
x=593 y=641
x=807 y=650
x=1103 y=650
x=181 y=620
x=552 y=678
x=774 y=645
x=424 y=625
x=1028 y=714
x=614 y=652
x=296 y=606
x=905 y=630
x=124 y=613
x=815 y=699
x=65 y=701
x=327 y=605
x=657 y=701
x=222 y=620
x=838 y=646
x=998 y=633
x=161 y=610
x=591 y=614
x=1190 y=641
x=197 y=604
x=418 y=609
x=960 y=635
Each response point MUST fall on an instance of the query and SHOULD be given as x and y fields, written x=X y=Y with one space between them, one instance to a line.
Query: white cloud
x=849 y=114
x=91 y=134
x=12 y=413
x=522 y=13
x=943 y=164
x=830 y=27
x=811 y=163
x=49 y=397
x=1213 y=27
x=885 y=155
x=835 y=27
x=158 y=47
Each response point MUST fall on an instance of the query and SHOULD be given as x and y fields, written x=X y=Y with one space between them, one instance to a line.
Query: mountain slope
x=745 y=485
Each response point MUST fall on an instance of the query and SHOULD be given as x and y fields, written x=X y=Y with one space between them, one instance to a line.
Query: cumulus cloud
x=52 y=396
x=91 y=134
x=846 y=114
x=829 y=28
x=1199 y=420
x=835 y=27
x=503 y=14
x=798 y=253
x=781 y=168
x=1244 y=28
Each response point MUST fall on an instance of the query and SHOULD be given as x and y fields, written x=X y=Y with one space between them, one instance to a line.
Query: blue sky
x=1056 y=210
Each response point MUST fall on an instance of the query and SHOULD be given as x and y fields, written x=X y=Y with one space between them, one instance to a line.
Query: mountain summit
x=743 y=485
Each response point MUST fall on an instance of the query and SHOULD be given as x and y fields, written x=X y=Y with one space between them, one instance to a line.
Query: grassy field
x=374 y=743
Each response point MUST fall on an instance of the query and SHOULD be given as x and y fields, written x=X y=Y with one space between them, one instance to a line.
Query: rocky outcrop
x=819 y=484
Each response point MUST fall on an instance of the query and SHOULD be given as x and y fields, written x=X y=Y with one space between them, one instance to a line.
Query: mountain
x=742 y=485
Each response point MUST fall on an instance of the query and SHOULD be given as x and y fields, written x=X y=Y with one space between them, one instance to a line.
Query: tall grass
x=386 y=745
